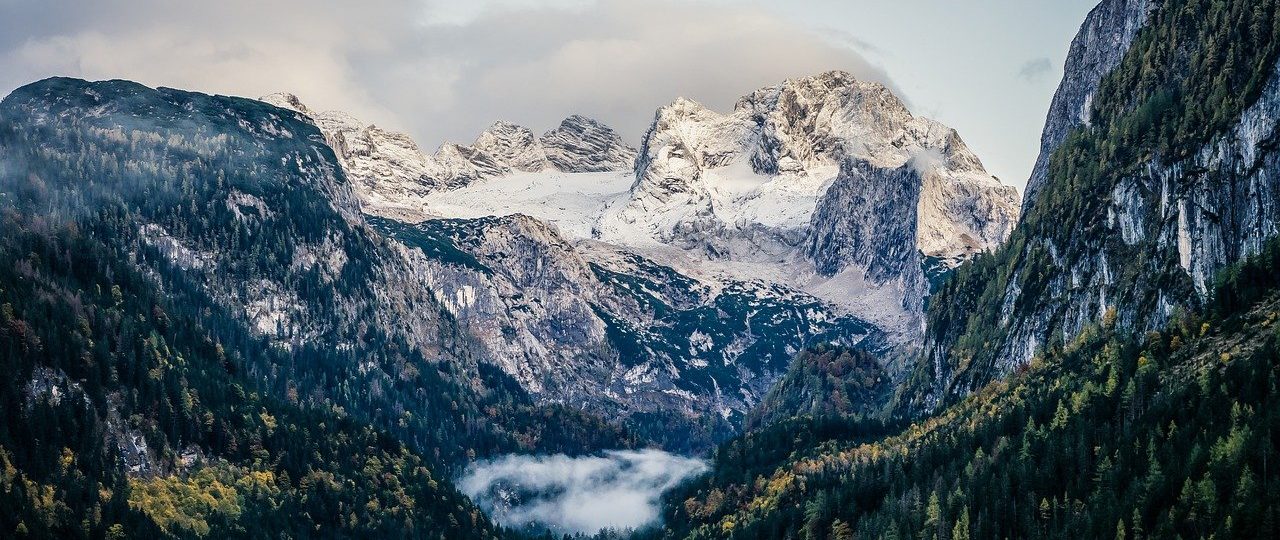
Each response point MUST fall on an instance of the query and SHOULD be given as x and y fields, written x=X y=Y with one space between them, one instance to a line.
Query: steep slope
x=239 y=210
x=128 y=414
x=590 y=326
x=1112 y=371
x=739 y=191
x=146 y=395
x=1171 y=181
x=1098 y=48
x=1161 y=438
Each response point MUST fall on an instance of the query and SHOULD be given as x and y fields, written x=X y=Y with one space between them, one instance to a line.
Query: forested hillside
x=202 y=335
x=1172 y=434
x=196 y=335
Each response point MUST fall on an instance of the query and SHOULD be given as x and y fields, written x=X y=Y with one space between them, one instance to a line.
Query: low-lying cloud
x=615 y=490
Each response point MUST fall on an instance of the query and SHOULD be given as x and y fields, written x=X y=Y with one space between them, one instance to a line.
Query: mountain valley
x=815 y=315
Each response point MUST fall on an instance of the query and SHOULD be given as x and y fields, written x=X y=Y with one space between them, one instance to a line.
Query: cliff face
x=580 y=144
x=751 y=193
x=1102 y=42
x=878 y=242
x=1135 y=218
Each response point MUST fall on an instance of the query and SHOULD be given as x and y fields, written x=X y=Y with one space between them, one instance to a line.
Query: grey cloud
x=388 y=62
x=1035 y=69
x=616 y=490
x=613 y=60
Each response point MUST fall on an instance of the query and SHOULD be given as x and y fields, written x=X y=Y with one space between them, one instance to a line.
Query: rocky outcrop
x=392 y=175
x=512 y=145
x=602 y=329
x=840 y=238
x=581 y=144
x=1102 y=42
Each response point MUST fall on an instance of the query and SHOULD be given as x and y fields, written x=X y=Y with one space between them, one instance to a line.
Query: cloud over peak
x=437 y=70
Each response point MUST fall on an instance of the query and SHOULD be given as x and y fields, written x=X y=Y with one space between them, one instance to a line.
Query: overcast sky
x=446 y=70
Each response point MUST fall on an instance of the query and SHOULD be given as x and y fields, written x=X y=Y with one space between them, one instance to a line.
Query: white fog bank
x=618 y=489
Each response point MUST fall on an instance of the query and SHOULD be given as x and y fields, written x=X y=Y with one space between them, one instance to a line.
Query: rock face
x=743 y=187
x=599 y=328
x=1152 y=243
x=513 y=145
x=392 y=175
x=880 y=240
x=581 y=144
x=1102 y=42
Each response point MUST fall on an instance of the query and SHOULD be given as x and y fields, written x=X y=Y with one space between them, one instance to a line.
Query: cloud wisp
x=1035 y=69
x=615 y=490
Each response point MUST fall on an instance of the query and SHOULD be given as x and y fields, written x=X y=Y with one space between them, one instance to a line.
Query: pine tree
x=961 y=529
x=933 y=518
x=842 y=531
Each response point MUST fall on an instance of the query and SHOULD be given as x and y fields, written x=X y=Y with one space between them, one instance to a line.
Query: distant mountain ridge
x=389 y=168
x=737 y=196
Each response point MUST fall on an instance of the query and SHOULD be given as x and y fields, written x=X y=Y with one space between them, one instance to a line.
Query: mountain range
x=683 y=277
x=232 y=317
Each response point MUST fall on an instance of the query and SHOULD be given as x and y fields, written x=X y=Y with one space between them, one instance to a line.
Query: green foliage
x=1157 y=435
x=825 y=382
x=100 y=358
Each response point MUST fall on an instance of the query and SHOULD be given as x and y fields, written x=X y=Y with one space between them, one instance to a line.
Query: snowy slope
x=737 y=192
x=705 y=180
x=393 y=176
x=572 y=201
x=729 y=196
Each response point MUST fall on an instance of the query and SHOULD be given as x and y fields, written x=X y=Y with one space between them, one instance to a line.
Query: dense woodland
x=1171 y=435
x=825 y=382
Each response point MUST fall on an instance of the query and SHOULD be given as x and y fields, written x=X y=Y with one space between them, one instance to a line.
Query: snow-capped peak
x=701 y=171
x=582 y=144
x=744 y=195
x=392 y=175
x=513 y=145
x=739 y=190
